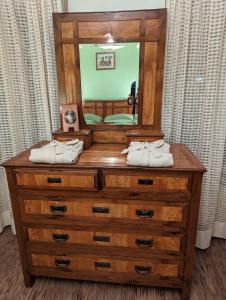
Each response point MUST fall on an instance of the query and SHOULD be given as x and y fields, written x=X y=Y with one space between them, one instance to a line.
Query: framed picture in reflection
x=105 y=60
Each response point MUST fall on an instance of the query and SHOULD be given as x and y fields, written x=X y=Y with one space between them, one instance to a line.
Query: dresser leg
x=185 y=293
x=29 y=280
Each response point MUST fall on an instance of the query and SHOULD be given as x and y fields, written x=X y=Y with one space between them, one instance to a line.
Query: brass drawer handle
x=100 y=238
x=144 y=213
x=58 y=209
x=144 y=243
x=142 y=270
x=59 y=237
x=99 y=264
x=63 y=263
x=145 y=181
x=54 y=180
x=100 y=210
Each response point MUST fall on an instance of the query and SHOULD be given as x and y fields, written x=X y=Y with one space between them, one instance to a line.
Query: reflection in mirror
x=109 y=83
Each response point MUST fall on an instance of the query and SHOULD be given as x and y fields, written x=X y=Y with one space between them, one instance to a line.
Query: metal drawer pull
x=55 y=198
x=54 y=180
x=102 y=264
x=100 y=210
x=58 y=209
x=62 y=262
x=145 y=181
x=100 y=238
x=133 y=194
x=59 y=237
x=144 y=213
x=144 y=243
x=142 y=270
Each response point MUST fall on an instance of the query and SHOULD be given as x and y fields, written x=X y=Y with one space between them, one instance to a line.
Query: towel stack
x=145 y=154
x=57 y=152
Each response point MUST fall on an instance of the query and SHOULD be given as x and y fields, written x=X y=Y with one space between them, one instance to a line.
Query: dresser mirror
x=111 y=65
x=109 y=83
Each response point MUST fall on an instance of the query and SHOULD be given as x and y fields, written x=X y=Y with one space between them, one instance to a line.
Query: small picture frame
x=105 y=60
x=70 y=118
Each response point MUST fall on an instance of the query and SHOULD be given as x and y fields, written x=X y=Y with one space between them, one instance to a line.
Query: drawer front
x=152 y=242
x=147 y=268
x=78 y=179
x=86 y=207
x=145 y=182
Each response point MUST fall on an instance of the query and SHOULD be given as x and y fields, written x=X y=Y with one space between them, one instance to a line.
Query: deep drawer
x=161 y=242
x=151 y=268
x=144 y=182
x=82 y=180
x=131 y=210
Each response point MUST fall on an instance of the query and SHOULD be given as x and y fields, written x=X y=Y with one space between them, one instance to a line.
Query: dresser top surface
x=109 y=156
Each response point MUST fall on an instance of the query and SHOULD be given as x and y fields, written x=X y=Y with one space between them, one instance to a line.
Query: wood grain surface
x=132 y=240
x=118 y=29
x=35 y=178
x=208 y=280
x=152 y=27
x=176 y=212
x=137 y=182
x=145 y=268
x=150 y=66
x=67 y=30
x=69 y=71
x=84 y=135
x=110 y=156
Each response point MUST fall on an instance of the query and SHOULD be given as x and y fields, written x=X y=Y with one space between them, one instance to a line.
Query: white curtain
x=194 y=111
x=29 y=107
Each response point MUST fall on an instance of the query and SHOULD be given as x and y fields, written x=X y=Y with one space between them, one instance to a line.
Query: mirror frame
x=147 y=27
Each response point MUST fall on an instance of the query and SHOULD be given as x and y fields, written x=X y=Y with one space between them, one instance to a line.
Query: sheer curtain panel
x=194 y=110
x=29 y=107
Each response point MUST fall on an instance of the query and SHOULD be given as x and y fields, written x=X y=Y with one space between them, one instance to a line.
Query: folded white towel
x=146 y=154
x=57 y=152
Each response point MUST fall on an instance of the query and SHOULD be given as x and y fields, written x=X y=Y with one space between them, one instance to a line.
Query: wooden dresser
x=99 y=219
x=102 y=220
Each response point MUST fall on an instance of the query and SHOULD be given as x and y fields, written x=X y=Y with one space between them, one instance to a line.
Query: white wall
x=113 y=5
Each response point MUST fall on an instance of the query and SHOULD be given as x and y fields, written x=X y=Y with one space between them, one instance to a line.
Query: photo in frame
x=105 y=60
x=70 y=118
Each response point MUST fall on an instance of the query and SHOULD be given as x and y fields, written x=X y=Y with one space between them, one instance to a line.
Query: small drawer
x=138 y=211
x=144 y=182
x=84 y=135
x=82 y=180
x=151 y=242
x=151 y=268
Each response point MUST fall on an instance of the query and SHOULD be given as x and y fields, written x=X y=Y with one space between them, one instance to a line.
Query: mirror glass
x=109 y=83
